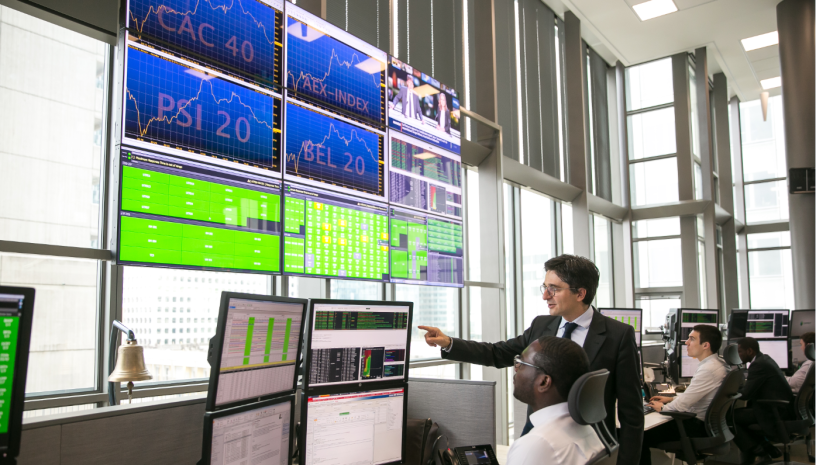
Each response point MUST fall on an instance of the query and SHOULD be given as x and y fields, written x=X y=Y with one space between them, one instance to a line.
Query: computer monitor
x=767 y=324
x=16 y=312
x=256 y=348
x=354 y=427
x=777 y=349
x=802 y=321
x=689 y=318
x=797 y=354
x=631 y=316
x=258 y=433
x=737 y=323
x=355 y=342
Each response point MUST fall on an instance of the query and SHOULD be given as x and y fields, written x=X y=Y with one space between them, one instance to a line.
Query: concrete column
x=739 y=203
x=575 y=71
x=795 y=22
x=626 y=298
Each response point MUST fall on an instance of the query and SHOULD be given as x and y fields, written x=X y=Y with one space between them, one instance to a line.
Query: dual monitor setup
x=353 y=357
x=259 y=138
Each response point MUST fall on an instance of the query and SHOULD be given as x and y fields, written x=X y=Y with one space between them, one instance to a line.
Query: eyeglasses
x=518 y=361
x=554 y=290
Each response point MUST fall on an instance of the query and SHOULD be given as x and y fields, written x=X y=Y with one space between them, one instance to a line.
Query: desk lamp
x=130 y=364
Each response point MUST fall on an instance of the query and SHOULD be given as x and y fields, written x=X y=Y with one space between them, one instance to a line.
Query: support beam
x=739 y=203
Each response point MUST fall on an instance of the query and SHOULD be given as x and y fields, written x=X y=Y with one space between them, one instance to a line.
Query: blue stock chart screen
x=242 y=38
x=180 y=107
x=327 y=69
x=328 y=150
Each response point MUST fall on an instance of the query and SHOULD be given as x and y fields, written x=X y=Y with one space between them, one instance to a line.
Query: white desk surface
x=501 y=453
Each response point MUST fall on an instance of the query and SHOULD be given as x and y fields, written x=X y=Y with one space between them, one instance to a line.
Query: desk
x=650 y=421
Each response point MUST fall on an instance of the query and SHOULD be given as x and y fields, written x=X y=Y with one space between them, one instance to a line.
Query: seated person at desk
x=767 y=382
x=703 y=344
x=798 y=379
x=544 y=375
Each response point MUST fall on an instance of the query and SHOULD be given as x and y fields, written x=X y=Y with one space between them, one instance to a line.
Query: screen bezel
x=217 y=344
x=15 y=424
x=640 y=339
x=790 y=322
x=361 y=386
x=679 y=325
x=729 y=332
x=331 y=390
x=206 y=443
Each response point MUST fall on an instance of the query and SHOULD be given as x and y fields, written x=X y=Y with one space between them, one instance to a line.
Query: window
x=770 y=270
x=649 y=84
x=537 y=246
x=355 y=290
x=656 y=253
x=179 y=359
x=651 y=134
x=433 y=306
x=472 y=218
x=654 y=182
x=655 y=308
x=766 y=202
x=602 y=245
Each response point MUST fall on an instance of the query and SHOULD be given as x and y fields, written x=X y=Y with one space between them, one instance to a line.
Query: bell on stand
x=130 y=364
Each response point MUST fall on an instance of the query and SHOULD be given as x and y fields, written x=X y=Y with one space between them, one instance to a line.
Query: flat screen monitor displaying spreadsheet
x=426 y=249
x=353 y=428
x=630 y=316
x=352 y=342
x=256 y=348
x=777 y=349
x=16 y=314
x=328 y=234
x=259 y=433
x=802 y=321
x=689 y=318
x=179 y=213
x=767 y=324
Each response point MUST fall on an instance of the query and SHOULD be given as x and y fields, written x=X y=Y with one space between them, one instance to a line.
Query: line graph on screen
x=170 y=104
x=244 y=36
x=324 y=68
x=328 y=150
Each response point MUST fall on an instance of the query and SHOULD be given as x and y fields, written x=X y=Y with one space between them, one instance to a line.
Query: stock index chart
x=325 y=68
x=242 y=38
x=331 y=151
x=180 y=107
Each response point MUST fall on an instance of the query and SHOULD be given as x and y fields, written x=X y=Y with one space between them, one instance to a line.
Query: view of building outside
x=49 y=187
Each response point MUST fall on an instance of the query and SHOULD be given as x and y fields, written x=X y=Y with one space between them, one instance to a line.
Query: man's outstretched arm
x=499 y=354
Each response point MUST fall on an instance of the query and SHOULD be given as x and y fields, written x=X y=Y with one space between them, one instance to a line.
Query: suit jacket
x=609 y=344
x=403 y=96
x=766 y=381
x=444 y=118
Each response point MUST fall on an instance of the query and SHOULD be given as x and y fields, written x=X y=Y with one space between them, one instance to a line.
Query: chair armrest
x=775 y=403
x=679 y=415
x=735 y=396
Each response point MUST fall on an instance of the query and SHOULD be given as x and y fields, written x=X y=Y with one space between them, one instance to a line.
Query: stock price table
x=176 y=106
x=426 y=250
x=242 y=38
x=184 y=214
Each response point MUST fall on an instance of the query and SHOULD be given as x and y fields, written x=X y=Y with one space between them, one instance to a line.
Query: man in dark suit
x=767 y=382
x=410 y=100
x=442 y=114
x=569 y=287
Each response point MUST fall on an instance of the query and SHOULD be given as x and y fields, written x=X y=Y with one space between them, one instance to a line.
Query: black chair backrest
x=586 y=398
x=731 y=355
x=809 y=351
x=718 y=409
x=803 y=403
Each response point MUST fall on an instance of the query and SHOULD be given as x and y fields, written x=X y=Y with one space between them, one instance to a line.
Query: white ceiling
x=612 y=28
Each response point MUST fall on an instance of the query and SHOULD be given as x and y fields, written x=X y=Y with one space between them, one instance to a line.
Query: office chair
x=731 y=355
x=793 y=431
x=693 y=450
x=586 y=407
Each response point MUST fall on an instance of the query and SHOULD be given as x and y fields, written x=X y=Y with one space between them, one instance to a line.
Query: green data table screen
x=408 y=264
x=8 y=357
x=339 y=241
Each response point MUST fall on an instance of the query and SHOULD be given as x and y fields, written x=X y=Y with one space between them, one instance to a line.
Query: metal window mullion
x=662 y=106
x=656 y=157
x=655 y=238
x=767 y=249
x=762 y=181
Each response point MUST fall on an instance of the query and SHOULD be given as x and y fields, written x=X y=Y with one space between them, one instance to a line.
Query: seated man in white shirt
x=544 y=375
x=798 y=379
x=703 y=344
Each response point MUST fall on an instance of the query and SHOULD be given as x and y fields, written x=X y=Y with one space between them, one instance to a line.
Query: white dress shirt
x=555 y=439
x=798 y=379
x=698 y=395
x=579 y=334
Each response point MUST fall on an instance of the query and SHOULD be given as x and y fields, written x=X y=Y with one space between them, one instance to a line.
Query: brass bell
x=130 y=366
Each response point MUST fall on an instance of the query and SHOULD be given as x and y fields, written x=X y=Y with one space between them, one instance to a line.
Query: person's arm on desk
x=499 y=354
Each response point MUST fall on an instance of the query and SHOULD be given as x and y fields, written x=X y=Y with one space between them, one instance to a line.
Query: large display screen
x=182 y=213
x=426 y=249
x=425 y=177
x=240 y=38
x=331 y=151
x=328 y=65
x=355 y=428
x=188 y=110
x=11 y=310
x=259 y=349
x=334 y=235
x=767 y=324
x=422 y=107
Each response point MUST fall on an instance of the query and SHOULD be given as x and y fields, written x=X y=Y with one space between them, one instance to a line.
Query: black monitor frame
x=15 y=425
x=361 y=386
x=790 y=323
x=217 y=343
x=344 y=389
x=640 y=340
x=206 y=443
x=730 y=333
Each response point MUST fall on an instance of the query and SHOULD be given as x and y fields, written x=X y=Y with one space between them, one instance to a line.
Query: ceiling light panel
x=654 y=8
x=760 y=41
x=771 y=83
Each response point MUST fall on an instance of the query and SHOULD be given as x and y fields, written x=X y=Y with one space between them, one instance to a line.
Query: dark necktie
x=568 y=329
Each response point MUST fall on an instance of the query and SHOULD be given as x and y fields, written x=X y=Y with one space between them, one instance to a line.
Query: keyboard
x=647 y=410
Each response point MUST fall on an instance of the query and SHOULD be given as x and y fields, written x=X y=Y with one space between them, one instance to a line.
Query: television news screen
x=179 y=213
x=357 y=342
x=256 y=348
x=426 y=249
x=422 y=107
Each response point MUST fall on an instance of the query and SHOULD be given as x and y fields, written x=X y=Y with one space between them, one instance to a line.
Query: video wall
x=259 y=138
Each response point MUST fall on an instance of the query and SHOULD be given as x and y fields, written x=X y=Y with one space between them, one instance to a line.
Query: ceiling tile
x=762 y=53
